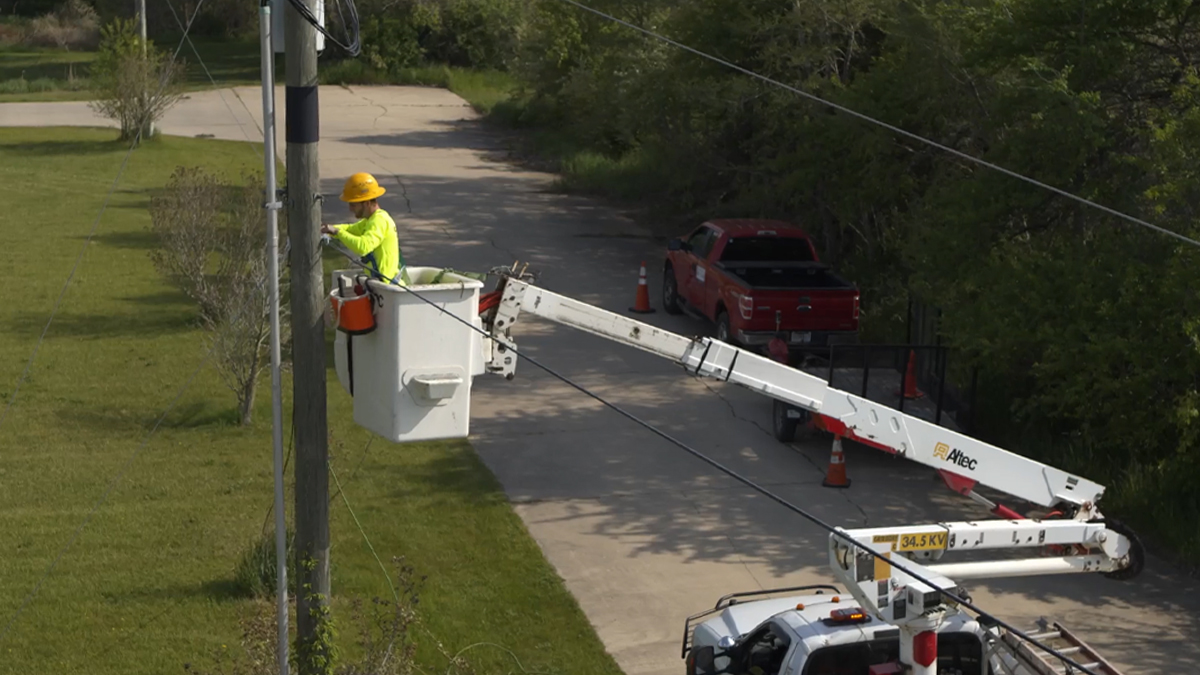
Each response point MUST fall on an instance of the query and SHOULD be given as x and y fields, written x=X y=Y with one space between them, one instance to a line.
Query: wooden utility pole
x=141 y=9
x=308 y=331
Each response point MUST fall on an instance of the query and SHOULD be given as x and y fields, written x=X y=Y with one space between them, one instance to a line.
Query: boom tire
x=783 y=427
x=1137 y=552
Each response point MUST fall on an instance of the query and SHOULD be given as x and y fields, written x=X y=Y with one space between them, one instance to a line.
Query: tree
x=131 y=87
x=212 y=248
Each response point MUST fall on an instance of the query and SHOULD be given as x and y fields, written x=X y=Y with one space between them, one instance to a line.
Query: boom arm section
x=897 y=598
x=844 y=413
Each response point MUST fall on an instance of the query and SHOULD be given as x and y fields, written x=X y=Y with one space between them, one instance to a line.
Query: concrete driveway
x=642 y=533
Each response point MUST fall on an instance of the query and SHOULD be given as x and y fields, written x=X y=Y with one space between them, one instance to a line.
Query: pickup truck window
x=958 y=654
x=701 y=242
x=767 y=249
x=763 y=653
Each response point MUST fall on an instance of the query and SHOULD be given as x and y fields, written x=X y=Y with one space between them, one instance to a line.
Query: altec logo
x=955 y=456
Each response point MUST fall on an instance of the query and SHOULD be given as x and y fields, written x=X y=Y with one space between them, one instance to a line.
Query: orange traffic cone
x=910 y=378
x=835 y=476
x=642 y=303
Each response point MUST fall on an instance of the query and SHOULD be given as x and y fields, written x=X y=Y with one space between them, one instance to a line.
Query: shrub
x=254 y=575
x=12 y=34
x=466 y=33
x=212 y=236
x=390 y=42
x=74 y=25
x=134 y=83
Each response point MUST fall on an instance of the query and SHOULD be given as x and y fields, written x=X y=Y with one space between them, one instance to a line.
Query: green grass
x=51 y=75
x=483 y=89
x=633 y=177
x=43 y=75
x=151 y=582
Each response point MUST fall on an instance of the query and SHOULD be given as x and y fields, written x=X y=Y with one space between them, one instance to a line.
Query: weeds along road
x=643 y=534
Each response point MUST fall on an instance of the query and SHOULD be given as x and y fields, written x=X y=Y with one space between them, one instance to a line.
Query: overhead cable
x=92 y=233
x=352 y=45
x=984 y=616
x=890 y=127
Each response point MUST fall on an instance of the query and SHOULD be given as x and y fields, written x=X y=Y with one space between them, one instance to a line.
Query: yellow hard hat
x=361 y=187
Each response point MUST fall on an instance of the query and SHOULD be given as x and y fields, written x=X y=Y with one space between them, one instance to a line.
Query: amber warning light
x=855 y=615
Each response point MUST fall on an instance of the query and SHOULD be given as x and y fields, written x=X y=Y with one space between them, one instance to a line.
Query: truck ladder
x=1028 y=660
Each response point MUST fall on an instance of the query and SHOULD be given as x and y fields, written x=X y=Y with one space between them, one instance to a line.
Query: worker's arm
x=364 y=236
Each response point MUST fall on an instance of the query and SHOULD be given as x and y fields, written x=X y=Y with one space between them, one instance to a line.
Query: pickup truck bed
x=785 y=276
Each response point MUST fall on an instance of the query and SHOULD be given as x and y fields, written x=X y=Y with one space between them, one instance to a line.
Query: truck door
x=700 y=244
x=764 y=652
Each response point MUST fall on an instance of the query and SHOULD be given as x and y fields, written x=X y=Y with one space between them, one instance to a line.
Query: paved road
x=642 y=533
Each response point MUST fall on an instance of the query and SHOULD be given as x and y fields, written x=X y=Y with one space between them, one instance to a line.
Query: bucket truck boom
x=407 y=386
x=844 y=414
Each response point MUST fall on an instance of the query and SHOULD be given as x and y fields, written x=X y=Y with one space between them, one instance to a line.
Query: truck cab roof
x=810 y=634
x=748 y=227
x=810 y=616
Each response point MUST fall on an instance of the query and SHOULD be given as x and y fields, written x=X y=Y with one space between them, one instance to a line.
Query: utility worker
x=374 y=236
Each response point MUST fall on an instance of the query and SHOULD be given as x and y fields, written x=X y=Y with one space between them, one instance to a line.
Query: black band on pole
x=303 y=123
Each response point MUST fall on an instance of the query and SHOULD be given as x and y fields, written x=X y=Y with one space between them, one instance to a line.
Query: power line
x=363 y=532
x=392 y=586
x=352 y=46
x=362 y=457
x=984 y=616
x=187 y=384
x=149 y=436
x=286 y=458
x=200 y=59
x=95 y=225
x=890 y=127
x=117 y=479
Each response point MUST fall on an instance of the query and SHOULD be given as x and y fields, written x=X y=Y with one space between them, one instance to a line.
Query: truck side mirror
x=702 y=661
x=676 y=245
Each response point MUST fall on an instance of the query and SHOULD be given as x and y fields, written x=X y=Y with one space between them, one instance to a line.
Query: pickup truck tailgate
x=802 y=310
x=806 y=297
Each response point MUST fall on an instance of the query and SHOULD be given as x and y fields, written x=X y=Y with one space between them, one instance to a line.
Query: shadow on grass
x=140 y=202
x=169 y=297
x=187 y=416
x=442 y=472
x=144 y=240
x=73 y=148
x=152 y=322
x=222 y=590
x=202 y=414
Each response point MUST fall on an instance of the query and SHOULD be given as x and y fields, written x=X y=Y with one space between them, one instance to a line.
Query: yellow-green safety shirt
x=374 y=238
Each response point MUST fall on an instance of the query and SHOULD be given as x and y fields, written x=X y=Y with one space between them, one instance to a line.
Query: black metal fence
x=928 y=371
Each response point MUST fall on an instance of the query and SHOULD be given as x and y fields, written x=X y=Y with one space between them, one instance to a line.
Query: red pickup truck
x=757 y=280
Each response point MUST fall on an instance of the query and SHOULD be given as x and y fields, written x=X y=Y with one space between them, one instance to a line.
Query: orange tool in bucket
x=354 y=313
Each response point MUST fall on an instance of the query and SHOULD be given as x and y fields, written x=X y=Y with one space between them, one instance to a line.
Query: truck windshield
x=958 y=654
x=767 y=249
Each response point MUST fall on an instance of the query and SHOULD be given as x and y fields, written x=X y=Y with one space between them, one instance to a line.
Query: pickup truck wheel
x=670 y=293
x=784 y=428
x=723 y=328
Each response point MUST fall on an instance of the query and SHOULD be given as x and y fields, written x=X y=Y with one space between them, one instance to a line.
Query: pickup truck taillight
x=856 y=306
x=746 y=306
